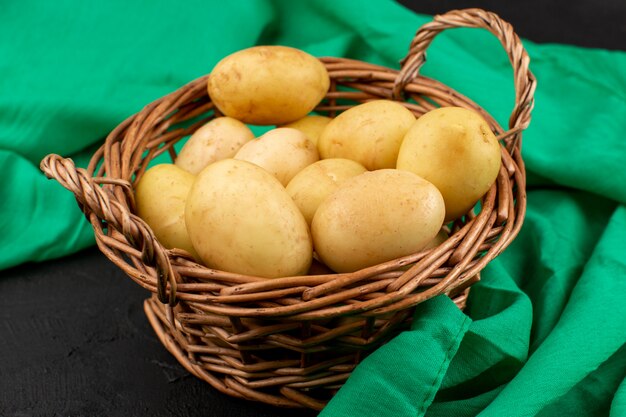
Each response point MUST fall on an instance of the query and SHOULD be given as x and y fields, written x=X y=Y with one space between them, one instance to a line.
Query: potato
x=160 y=197
x=268 y=85
x=455 y=149
x=283 y=152
x=311 y=126
x=316 y=182
x=370 y=134
x=220 y=138
x=241 y=219
x=376 y=217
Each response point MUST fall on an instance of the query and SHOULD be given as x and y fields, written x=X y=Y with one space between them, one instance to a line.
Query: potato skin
x=370 y=134
x=268 y=85
x=219 y=139
x=316 y=182
x=455 y=149
x=283 y=152
x=160 y=197
x=240 y=219
x=376 y=217
x=312 y=126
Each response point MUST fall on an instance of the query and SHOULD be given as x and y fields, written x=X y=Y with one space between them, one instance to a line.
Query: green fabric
x=547 y=332
x=391 y=385
x=545 y=329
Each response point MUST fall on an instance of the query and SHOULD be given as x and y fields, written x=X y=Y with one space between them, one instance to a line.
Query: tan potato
x=283 y=152
x=241 y=219
x=455 y=149
x=160 y=197
x=370 y=134
x=376 y=217
x=316 y=182
x=268 y=85
x=311 y=126
x=219 y=139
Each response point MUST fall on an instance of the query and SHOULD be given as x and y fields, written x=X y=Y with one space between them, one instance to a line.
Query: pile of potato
x=369 y=186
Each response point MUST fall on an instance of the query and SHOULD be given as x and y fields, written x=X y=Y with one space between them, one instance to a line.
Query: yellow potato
x=268 y=85
x=311 y=126
x=220 y=138
x=316 y=182
x=376 y=217
x=370 y=134
x=283 y=152
x=160 y=197
x=455 y=149
x=241 y=219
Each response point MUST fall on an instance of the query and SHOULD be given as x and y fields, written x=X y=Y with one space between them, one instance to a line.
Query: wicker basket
x=293 y=341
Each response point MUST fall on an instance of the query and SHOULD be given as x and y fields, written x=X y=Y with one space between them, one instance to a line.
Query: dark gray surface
x=73 y=337
x=592 y=24
x=75 y=342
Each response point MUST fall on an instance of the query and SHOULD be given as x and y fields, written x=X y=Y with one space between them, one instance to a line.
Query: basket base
x=227 y=381
x=281 y=383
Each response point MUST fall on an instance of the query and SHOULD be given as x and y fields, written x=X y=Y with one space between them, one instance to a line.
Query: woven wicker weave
x=294 y=341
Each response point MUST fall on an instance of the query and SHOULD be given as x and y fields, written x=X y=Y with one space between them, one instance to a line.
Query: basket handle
x=525 y=81
x=96 y=200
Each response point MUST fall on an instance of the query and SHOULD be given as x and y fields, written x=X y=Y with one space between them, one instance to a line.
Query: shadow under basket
x=294 y=341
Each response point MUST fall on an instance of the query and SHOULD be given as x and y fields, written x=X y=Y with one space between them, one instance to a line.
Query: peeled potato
x=241 y=219
x=376 y=217
x=283 y=152
x=160 y=196
x=316 y=182
x=268 y=85
x=311 y=126
x=219 y=139
x=370 y=134
x=454 y=149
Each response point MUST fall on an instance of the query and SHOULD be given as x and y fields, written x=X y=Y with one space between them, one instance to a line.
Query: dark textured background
x=73 y=337
x=589 y=23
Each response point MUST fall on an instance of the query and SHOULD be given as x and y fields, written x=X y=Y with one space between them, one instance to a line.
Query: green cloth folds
x=545 y=328
x=389 y=384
